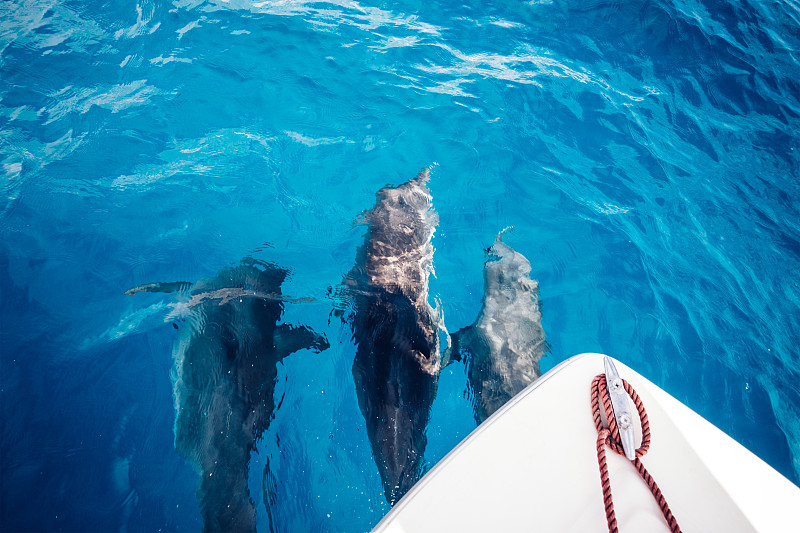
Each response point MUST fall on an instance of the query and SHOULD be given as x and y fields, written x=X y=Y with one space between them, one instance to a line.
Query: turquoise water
x=646 y=154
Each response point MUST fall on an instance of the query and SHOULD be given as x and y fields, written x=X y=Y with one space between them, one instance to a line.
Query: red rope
x=609 y=436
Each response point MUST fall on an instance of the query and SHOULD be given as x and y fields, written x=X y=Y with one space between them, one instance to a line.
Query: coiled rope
x=609 y=436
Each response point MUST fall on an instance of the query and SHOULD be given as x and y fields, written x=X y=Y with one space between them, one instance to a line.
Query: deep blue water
x=646 y=154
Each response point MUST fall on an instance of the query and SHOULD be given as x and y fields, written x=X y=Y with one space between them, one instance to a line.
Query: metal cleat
x=622 y=408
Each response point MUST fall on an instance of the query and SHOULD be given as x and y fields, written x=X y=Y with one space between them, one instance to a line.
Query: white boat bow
x=533 y=466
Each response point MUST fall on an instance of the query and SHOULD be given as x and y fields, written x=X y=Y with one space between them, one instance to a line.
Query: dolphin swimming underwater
x=505 y=343
x=397 y=362
x=224 y=373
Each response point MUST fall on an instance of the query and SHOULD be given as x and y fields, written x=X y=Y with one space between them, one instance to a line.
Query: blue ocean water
x=645 y=153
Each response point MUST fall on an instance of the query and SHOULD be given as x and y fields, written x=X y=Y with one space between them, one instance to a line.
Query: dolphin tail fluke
x=289 y=339
x=170 y=286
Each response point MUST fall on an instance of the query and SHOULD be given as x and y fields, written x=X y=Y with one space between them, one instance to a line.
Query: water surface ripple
x=646 y=154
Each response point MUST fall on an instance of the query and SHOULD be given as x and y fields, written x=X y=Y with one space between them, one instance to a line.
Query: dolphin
x=397 y=361
x=505 y=343
x=224 y=373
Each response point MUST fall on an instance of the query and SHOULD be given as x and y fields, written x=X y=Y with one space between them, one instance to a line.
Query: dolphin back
x=396 y=331
x=504 y=345
x=224 y=373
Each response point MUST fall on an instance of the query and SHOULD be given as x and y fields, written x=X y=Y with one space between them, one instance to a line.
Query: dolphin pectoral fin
x=289 y=339
x=341 y=296
x=171 y=286
x=453 y=352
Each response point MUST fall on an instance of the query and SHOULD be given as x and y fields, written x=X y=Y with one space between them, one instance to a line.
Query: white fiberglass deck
x=532 y=466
